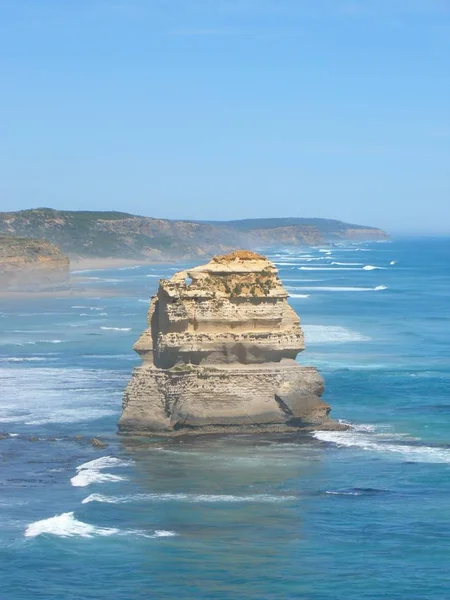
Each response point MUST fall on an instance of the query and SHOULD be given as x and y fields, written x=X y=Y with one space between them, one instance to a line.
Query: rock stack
x=219 y=355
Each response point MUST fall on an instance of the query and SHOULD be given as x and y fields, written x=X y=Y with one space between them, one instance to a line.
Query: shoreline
x=104 y=264
x=77 y=289
x=74 y=292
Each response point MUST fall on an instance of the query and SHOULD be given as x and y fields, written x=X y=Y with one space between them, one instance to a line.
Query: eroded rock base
x=192 y=399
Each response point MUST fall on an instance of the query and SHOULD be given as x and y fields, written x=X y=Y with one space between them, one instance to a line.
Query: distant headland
x=101 y=235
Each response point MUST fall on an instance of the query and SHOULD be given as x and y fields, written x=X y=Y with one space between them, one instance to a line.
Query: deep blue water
x=328 y=516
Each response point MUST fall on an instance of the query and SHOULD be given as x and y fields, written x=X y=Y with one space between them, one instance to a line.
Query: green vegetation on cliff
x=118 y=234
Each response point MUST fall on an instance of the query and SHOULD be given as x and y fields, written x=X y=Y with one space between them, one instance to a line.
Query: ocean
x=363 y=513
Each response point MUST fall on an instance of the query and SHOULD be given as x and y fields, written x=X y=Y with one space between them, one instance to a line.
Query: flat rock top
x=240 y=261
x=241 y=273
x=237 y=255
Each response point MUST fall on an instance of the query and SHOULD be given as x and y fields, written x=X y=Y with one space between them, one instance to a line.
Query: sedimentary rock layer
x=32 y=265
x=219 y=354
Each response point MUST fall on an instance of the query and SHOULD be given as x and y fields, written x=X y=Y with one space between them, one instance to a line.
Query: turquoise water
x=327 y=516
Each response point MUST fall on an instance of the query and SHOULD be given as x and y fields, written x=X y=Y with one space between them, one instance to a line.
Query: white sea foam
x=393 y=262
x=347 y=264
x=104 y=462
x=328 y=269
x=33 y=343
x=18 y=359
x=85 y=478
x=359 y=427
x=385 y=443
x=371 y=268
x=71 y=415
x=341 y=288
x=91 y=472
x=58 y=395
x=343 y=493
x=189 y=498
x=66 y=525
x=291 y=295
x=152 y=275
x=331 y=334
x=130 y=268
x=164 y=533
x=116 y=328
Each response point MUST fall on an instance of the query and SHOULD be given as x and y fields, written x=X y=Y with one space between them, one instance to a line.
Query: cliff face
x=219 y=354
x=32 y=265
x=115 y=234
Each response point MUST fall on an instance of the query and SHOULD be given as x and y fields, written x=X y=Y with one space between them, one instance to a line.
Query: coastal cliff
x=29 y=265
x=219 y=355
x=92 y=234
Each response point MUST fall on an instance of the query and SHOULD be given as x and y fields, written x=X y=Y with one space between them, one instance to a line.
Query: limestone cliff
x=31 y=265
x=219 y=354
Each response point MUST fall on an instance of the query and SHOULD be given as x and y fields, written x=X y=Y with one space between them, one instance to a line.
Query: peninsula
x=219 y=356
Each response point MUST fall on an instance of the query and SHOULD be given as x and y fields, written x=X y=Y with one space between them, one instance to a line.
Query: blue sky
x=218 y=109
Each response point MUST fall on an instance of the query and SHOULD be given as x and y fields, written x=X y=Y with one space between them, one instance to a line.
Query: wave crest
x=386 y=443
x=66 y=525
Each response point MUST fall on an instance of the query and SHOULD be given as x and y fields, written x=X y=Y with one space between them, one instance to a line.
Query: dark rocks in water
x=219 y=356
x=97 y=443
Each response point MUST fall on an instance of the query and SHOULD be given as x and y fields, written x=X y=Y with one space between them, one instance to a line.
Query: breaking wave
x=91 y=472
x=341 y=288
x=116 y=328
x=328 y=269
x=190 y=498
x=129 y=268
x=18 y=359
x=356 y=492
x=104 y=462
x=85 y=478
x=70 y=415
x=371 y=268
x=394 y=445
x=331 y=334
x=66 y=525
